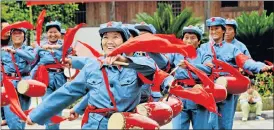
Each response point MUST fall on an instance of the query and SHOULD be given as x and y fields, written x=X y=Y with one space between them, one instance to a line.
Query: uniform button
x=111 y=103
x=111 y=85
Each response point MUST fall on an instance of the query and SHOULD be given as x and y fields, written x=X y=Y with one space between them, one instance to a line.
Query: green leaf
x=165 y=22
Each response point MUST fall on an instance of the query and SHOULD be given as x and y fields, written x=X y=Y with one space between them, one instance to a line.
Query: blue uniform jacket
x=227 y=52
x=124 y=84
x=23 y=57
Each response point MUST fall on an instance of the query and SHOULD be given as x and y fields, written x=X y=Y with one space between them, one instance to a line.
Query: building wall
x=99 y=12
x=243 y=6
x=125 y=11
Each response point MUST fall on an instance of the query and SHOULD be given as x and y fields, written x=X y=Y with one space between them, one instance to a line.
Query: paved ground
x=238 y=124
x=266 y=124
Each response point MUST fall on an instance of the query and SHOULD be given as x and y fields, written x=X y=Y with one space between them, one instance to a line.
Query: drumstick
x=69 y=74
x=174 y=70
x=171 y=74
x=37 y=102
x=120 y=63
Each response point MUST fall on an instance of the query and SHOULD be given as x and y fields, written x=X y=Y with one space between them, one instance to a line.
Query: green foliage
x=165 y=22
x=256 y=31
x=205 y=38
x=254 y=24
x=264 y=84
x=14 y=11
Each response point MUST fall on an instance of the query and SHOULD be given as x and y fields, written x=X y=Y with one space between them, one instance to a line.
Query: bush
x=264 y=84
x=256 y=30
x=166 y=22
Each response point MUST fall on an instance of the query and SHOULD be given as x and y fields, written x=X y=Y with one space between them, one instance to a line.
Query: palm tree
x=165 y=22
x=256 y=31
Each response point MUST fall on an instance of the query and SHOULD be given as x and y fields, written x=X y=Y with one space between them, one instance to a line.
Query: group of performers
x=141 y=80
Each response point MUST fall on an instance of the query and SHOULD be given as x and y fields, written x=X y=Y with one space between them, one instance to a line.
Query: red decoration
x=150 y=43
x=68 y=39
x=39 y=25
x=23 y=24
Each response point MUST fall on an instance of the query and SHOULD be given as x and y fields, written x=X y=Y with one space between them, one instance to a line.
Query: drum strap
x=93 y=109
x=104 y=111
x=168 y=64
x=55 y=59
x=16 y=67
x=58 y=66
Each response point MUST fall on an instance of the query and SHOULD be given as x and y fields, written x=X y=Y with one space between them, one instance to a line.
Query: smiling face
x=17 y=37
x=191 y=39
x=53 y=34
x=216 y=32
x=111 y=40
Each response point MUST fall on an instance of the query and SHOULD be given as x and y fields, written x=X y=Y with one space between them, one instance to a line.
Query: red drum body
x=234 y=85
x=158 y=111
x=175 y=103
x=4 y=98
x=31 y=88
x=220 y=93
x=127 y=120
x=42 y=75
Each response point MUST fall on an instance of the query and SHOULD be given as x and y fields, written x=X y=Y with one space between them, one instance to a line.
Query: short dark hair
x=145 y=30
x=53 y=26
x=197 y=35
x=223 y=28
x=233 y=26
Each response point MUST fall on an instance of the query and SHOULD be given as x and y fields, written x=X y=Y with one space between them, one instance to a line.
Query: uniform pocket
x=94 y=85
x=129 y=86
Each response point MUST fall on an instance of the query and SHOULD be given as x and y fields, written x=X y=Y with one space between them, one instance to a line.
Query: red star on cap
x=190 y=26
x=212 y=19
x=142 y=23
x=109 y=24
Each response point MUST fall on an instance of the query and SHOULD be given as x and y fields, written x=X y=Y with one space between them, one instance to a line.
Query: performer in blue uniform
x=120 y=93
x=20 y=65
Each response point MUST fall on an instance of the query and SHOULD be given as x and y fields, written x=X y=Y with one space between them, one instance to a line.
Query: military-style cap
x=113 y=26
x=24 y=30
x=55 y=24
x=144 y=26
x=193 y=29
x=215 y=21
x=133 y=31
x=231 y=22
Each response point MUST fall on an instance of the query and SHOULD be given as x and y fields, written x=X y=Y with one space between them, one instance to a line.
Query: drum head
x=22 y=86
x=222 y=81
x=142 y=110
x=72 y=72
x=198 y=86
x=116 y=121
